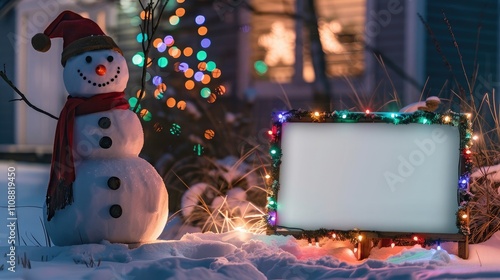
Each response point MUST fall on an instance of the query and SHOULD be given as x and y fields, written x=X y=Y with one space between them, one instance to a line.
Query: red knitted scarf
x=62 y=172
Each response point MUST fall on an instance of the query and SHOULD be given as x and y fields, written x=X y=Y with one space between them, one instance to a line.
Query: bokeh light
x=199 y=19
x=138 y=59
x=162 y=62
x=135 y=21
x=205 y=92
x=162 y=87
x=146 y=115
x=170 y=102
x=212 y=98
x=132 y=101
x=158 y=94
x=157 y=41
x=198 y=76
x=158 y=127
x=141 y=37
x=143 y=14
x=174 y=20
x=157 y=80
x=180 y=12
x=216 y=73
x=183 y=66
x=209 y=134
x=261 y=67
x=174 y=52
x=176 y=66
x=189 y=73
x=138 y=94
x=189 y=84
x=202 y=66
x=201 y=55
x=205 y=43
x=181 y=105
x=220 y=90
x=161 y=47
x=202 y=30
x=188 y=51
x=175 y=129
x=205 y=79
x=198 y=149
x=169 y=40
x=211 y=66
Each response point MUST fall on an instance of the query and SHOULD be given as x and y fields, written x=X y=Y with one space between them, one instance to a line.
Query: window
x=281 y=45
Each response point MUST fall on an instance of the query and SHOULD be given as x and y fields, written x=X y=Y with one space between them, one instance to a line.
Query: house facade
x=7 y=18
x=384 y=50
x=376 y=54
x=37 y=75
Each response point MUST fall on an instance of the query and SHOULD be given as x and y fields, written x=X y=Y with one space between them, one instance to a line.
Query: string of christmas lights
x=198 y=73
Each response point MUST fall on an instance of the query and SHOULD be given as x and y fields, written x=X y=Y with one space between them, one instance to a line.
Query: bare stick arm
x=23 y=97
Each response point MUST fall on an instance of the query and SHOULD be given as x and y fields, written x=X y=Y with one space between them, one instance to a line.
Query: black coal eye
x=88 y=59
x=110 y=58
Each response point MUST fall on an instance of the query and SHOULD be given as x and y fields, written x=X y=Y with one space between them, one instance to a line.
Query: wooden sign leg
x=364 y=247
x=463 y=248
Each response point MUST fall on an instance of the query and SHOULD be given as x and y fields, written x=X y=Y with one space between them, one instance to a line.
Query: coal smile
x=99 y=84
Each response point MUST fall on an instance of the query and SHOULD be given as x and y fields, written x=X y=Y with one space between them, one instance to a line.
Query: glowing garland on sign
x=462 y=121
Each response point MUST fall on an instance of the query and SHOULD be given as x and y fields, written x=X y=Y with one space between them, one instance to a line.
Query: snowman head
x=93 y=63
x=95 y=72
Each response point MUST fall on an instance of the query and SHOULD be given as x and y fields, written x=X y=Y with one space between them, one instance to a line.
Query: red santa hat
x=79 y=35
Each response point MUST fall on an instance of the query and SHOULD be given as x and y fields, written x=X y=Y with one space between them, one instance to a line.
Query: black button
x=114 y=183
x=105 y=142
x=104 y=122
x=115 y=211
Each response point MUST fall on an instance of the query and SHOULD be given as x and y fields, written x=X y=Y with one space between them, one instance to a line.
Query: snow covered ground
x=233 y=255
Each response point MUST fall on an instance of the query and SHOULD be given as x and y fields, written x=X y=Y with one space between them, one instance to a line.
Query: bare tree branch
x=148 y=29
x=23 y=97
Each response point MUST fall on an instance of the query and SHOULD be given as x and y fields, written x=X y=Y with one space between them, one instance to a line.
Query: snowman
x=99 y=188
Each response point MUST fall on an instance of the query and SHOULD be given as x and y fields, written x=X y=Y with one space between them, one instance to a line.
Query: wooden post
x=364 y=247
x=463 y=248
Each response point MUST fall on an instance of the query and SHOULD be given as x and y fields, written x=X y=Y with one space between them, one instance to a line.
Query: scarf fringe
x=62 y=198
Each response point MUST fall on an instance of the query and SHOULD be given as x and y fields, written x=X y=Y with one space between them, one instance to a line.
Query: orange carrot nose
x=100 y=70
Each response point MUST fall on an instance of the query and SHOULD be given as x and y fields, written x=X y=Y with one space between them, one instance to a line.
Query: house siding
x=465 y=18
x=7 y=57
x=388 y=46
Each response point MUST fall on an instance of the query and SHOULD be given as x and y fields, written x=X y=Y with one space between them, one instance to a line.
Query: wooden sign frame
x=363 y=238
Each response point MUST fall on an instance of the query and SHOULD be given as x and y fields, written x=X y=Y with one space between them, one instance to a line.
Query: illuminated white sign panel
x=369 y=176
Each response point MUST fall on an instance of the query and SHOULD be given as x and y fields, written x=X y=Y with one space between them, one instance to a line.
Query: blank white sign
x=369 y=176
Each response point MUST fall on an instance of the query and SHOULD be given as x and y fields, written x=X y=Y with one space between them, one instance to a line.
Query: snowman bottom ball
x=121 y=200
